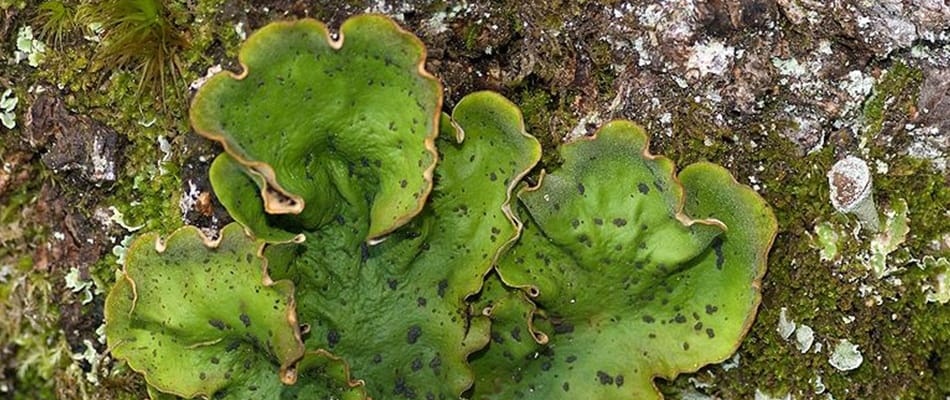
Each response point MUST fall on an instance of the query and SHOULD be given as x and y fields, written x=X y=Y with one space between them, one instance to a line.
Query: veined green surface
x=396 y=310
x=202 y=318
x=336 y=123
x=630 y=285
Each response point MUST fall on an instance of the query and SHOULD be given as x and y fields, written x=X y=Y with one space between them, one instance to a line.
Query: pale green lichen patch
x=938 y=290
x=8 y=102
x=845 y=356
x=203 y=318
x=895 y=231
x=28 y=48
x=786 y=327
x=827 y=238
x=78 y=285
x=355 y=119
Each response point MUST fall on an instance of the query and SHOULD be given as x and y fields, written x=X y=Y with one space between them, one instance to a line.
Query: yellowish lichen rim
x=668 y=164
x=278 y=200
x=761 y=269
x=288 y=370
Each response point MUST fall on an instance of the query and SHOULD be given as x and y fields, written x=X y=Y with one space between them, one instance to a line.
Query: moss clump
x=896 y=91
x=902 y=338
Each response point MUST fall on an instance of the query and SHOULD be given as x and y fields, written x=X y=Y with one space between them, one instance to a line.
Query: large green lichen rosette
x=330 y=123
x=202 y=318
x=396 y=309
x=635 y=273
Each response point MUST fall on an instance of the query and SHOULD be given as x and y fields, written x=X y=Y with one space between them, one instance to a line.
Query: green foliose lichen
x=331 y=161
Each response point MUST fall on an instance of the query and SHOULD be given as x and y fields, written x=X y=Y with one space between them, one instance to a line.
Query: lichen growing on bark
x=573 y=58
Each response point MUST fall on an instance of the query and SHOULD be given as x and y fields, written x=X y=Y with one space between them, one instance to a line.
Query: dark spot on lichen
x=679 y=319
x=648 y=319
x=245 y=320
x=215 y=360
x=492 y=177
x=421 y=301
x=710 y=332
x=377 y=358
x=619 y=380
x=412 y=336
x=392 y=283
x=202 y=376
x=401 y=389
x=443 y=284
x=497 y=338
x=217 y=323
x=717 y=247
x=711 y=309
x=561 y=327
x=619 y=222
x=575 y=223
x=583 y=238
x=580 y=188
x=643 y=188
x=685 y=346
x=698 y=326
x=403 y=183
x=570 y=359
x=333 y=337
x=566 y=387
x=604 y=378
x=416 y=365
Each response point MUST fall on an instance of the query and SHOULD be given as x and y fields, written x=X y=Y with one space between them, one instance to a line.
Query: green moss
x=147 y=195
x=903 y=340
x=536 y=106
x=891 y=93
x=471 y=35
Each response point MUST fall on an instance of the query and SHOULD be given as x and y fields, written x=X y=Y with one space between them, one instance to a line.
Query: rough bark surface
x=774 y=90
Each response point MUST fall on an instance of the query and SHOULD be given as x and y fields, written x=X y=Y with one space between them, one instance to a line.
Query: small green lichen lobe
x=329 y=121
x=634 y=271
x=197 y=317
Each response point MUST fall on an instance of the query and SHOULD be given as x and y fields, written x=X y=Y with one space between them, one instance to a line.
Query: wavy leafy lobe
x=396 y=310
x=628 y=285
x=203 y=318
x=333 y=123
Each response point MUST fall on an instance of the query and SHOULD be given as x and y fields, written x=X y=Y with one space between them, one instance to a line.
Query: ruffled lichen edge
x=669 y=168
x=510 y=192
x=715 y=170
x=278 y=200
x=288 y=369
x=727 y=179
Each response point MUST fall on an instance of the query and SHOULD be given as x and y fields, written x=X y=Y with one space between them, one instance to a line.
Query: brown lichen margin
x=484 y=319
x=288 y=371
x=278 y=200
x=667 y=164
x=534 y=158
x=350 y=382
x=761 y=269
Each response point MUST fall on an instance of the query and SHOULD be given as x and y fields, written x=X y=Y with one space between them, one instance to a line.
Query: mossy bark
x=571 y=66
